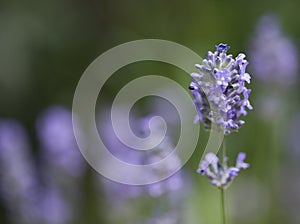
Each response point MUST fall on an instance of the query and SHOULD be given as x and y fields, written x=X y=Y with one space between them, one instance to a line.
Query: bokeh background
x=45 y=46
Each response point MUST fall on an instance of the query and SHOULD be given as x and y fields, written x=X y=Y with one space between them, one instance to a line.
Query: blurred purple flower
x=113 y=144
x=55 y=132
x=219 y=174
x=274 y=57
x=25 y=197
x=151 y=156
x=120 y=195
x=54 y=209
x=168 y=218
x=171 y=184
x=18 y=185
x=220 y=95
x=62 y=165
x=156 y=154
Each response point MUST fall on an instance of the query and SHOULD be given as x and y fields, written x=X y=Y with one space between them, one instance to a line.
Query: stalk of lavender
x=223 y=206
x=19 y=187
x=221 y=100
x=164 y=198
x=275 y=64
x=62 y=164
x=28 y=198
x=273 y=55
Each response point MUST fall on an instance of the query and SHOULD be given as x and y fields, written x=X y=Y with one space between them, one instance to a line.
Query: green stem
x=224 y=150
x=223 y=206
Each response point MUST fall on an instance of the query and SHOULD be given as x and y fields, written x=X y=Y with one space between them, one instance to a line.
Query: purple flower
x=274 y=57
x=169 y=192
x=25 y=197
x=240 y=161
x=220 y=175
x=220 y=95
x=58 y=144
x=18 y=177
x=151 y=156
x=54 y=209
x=62 y=166
x=222 y=47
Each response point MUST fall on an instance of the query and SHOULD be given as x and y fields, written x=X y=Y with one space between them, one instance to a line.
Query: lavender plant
x=275 y=62
x=62 y=165
x=45 y=192
x=219 y=174
x=273 y=55
x=164 y=198
x=57 y=142
x=18 y=178
x=221 y=98
x=26 y=199
x=227 y=93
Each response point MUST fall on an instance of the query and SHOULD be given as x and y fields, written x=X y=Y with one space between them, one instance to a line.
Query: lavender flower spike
x=221 y=175
x=219 y=90
x=274 y=55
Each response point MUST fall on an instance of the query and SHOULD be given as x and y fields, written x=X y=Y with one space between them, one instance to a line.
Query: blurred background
x=45 y=46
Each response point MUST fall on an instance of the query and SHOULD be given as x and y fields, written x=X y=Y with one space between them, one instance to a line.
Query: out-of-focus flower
x=58 y=144
x=151 y=156
x=53 y=208
x=219 y=90
x=273 y=56
x=18 y=185
x=168 y=218
x=219 y=174
x=27 y=199
x=113 y=144
x=62 y=165
x=169 y=191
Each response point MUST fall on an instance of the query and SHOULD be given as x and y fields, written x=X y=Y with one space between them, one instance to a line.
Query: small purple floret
x=220 y=175
x=222 y=47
